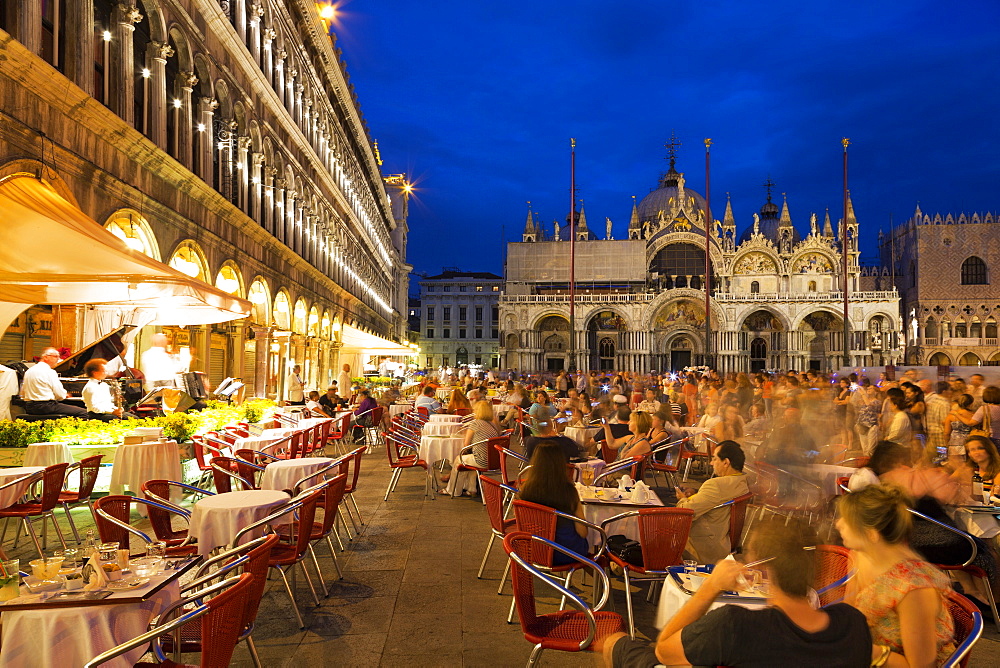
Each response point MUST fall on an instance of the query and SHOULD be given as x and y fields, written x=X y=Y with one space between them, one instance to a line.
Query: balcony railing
x=958 y=342
x=805 y=296
x=580 y=299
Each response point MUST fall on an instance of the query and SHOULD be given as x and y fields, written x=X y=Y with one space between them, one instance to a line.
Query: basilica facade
x=775 y=296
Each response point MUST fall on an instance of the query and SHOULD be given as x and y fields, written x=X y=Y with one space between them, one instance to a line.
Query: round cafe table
x=444 y=417
x=47 y=454
x=12 y=494
x=397 y=409
x=436 y=448
x=442 y=428
x=580 y=434
x=215 y=520
x=135 y=464
x=672 y=599
x=73 y=635
x=284 y=474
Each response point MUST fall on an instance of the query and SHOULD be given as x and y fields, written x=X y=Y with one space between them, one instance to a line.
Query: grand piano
x=109 y=347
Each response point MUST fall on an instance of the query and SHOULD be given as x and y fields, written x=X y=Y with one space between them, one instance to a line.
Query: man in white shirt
x=43 y=393
x=158 y=367
x=296 y=389
x=344 y=382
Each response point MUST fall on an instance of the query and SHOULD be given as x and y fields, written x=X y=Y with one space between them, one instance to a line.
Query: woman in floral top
x=900 y=594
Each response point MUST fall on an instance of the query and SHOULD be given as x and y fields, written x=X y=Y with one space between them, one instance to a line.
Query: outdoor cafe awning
x=359 y=341
x=53 y=253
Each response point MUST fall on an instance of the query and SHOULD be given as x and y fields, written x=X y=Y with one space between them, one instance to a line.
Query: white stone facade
x=458 y=319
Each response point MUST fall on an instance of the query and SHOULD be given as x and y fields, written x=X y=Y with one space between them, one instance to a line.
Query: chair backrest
x=522 y=581
x=159 y=519
x=462 y=411
x=607 y=454
x=333 y=494
x=737 y=517
x=222 y=626
x=323 y=433
x=832 y=564
x=663 y=533
x=302 y=529
x=492 y=454
x=257 y=565
x=119 y=507
x=968 y=621
x=200 y=454
x=392 y=444
x=424 y=411
x=224 y=482
x=52 y=482
x=493 y=497
x=510 y=464
x=537 y=520
x=89 y=468
x=353 y=460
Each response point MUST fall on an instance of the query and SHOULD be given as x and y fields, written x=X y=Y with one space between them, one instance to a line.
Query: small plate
x=131 y=583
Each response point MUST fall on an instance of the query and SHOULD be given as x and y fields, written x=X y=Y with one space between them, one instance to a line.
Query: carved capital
x=279 y=183
x=244 y=143
x=257 y=11
x=292 y=73
x=128 y=14
x=188 y=80
x=209 y=104
x=258 y=159
x=269 y=35
x=161 y=50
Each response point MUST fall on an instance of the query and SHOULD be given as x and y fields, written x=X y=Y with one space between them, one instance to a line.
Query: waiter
x=344 y=382
x=158 y=366
x=296 y=388
x=42 y=390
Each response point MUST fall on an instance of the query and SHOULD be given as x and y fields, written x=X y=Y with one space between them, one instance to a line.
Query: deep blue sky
x=476 y=101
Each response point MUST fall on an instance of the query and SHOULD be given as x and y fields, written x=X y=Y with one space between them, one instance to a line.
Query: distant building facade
x=776 y=300
x=950 y=295
x=459 y=321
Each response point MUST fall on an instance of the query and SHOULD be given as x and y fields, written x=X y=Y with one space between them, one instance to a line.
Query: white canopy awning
x=359 y=341
x=53 y=253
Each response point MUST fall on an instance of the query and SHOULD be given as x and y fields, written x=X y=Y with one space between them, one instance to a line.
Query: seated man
x=545 y=431
x=330 y=402
x=314 y=405
x=708 y=541
x=789 y=632
x=428 y=400
x=43 y=392
x=619 y=428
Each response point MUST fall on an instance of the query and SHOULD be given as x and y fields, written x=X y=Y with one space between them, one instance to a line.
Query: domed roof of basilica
x=770 y=221
x=665 y=197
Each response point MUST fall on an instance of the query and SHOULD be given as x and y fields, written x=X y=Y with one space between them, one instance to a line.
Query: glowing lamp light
x=407 y=188
x=256 y=180
x=186 y=266
x=145 y=73
x=228 y=284
x=258 y=297
x=201 y=127
x=107 y=35
x=281 y=306
x=335 y=327
x=177 y=104
x=135 y=244
x=327 y=12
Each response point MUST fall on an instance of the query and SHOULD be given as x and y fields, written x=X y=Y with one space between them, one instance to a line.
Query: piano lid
x=108 y=347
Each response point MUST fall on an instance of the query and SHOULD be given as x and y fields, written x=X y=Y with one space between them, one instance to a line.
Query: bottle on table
x=977 y=488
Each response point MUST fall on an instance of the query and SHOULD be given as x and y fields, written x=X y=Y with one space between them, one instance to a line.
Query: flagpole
x=572 y=255
x=708 y=265
x=845 y=251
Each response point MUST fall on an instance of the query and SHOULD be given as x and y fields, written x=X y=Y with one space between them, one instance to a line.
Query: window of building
x=463 y=288
x=430 y=288
x=447 y=288
x=974 y=271
x=462 y=333
x=447 y=313
x=496 y=288
x=430 y=332
x=496 y=314
x=430 y=361
x=754 y=287
x=479 y=288
x=445 y=361
x=430 y=312
x=812 y=286
x=479 y=313
x=446 y=334
x=496 y=333
x=479 y=333
x=479 y=359
x=463 y=313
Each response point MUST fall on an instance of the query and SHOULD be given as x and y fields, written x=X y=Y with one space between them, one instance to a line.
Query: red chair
x=220 y=619
x=737 y=518
x=398 y=462
x=462 y=411
x=565 y=630
x=832 y=573
x=688 y=456
x=113 y=514
x=41 y=507
x=493 y=494
x=492 y=459
x=663 y=533
x=333 y=493
x=203 y=453
x=353 y=459
x=855 y=462
x=342 y=432
x=660 y=458
x=88 y=467
x=508 y=461
x=161 y=520
x=968 y=628
x=225 y=470
x=374 y=431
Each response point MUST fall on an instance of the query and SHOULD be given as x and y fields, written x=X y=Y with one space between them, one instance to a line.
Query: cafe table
x=47 y=454
x=442 y=428
x=444 y=417
x=13 y=494
x=41 y=631
x=215 y=520
x=284 y=474
x=600 y=503
x=262 y=440
x=137 y=463
x=397 y=409
x=580 y=434
x=678 y=590
x=595 y=464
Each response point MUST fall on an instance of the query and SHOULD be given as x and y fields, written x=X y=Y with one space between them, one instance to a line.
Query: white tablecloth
x=72 y=636
x=673 y=599
x=436 y=448
x=978 y=523
x=598 y=512
x=396 y=409
x=12 y=494
x=284 y=474
x=443 y=392
x=442 y=428
x=266 y=438
x=443 y=417
x=215 y=520
x=47 y=454
x=135 y=464
x=580 y=434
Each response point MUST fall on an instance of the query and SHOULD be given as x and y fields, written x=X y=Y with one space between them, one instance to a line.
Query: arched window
x=812 y=286
x=758 y=349
x=974 y=271
x=607 y=348
x=755 y=287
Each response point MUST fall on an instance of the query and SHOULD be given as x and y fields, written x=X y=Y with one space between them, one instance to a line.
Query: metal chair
x=353 y=459
x=494 y=494
x=220 y=617
x=565 y=630
x=492 y=459
x=690 y=455
x=41 y=507
x=114 y=512
x=224 y=471
x=665 y=467
x=333 y=493
x=160 y=520
x=832 y=573
x=342 y=432
x=508 y=461
x=88 y=467
x=968 y=628
x=737 y=518
x=628 y=465
x=663 y=533
x=398 y=462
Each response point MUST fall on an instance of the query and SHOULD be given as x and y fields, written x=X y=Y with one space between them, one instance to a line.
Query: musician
x=42 y=390
x=97 y=394
x=158 y=366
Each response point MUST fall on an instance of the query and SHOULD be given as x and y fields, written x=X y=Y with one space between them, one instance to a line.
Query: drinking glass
x=749 y=580
x=10 y=580
x=587 y=476
x=39 y=569
x=156 y=549
x=69 y=556
x=52 y=566
x=145 y=567
x=690 y=566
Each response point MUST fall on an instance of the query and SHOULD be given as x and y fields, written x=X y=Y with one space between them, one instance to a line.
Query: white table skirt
x=629 y=527
x=977 y=523
x=673 y=599
x=580 y=434
x=264 y=439
x=444 y=417
x=284 y=474
x=72 y=636
x=135 y=464
x=396 y=409
x=442 y=428
x=12 y=495
x=436 y=448
x=47 y=454
x=215 y=520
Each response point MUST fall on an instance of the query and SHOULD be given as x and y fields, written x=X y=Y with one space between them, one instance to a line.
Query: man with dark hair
x=788 y=632
x=428 y=400
x=708 y=541
x=545 y=431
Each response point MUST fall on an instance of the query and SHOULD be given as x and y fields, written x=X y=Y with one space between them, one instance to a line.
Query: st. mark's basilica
x=776 y=296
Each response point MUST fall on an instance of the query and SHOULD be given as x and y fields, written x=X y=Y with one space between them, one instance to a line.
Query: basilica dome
x=665 y=198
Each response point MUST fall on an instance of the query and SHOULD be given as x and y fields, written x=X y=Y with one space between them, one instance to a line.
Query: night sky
x=476 y=102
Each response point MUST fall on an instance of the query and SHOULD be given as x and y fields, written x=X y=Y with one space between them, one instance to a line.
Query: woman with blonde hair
x=458 y=402
x=900 y=594
x=483 y=427
x=637 y=442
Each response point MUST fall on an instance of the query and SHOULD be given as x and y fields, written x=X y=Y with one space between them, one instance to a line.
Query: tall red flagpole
x=708 y=265
x=572 y=255
x=845 y=251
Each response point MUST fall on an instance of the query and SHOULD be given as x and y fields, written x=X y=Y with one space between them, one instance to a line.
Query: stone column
x=156 y=100
x=256 y=12
x=279 y=79
x=240 y=19
x=242 y=172
x=262 y=343
x=205 y=147
x=79 y=29
x=290 y=90
x=256 y=187
x=120 y=72
x=184 y=127
x=234 y=365
x=28 y=29
x=268 y=64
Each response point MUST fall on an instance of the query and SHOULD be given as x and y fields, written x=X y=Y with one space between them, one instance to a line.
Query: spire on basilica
x=582 y=233
x=786 y=219
x=634 y=226
x=727 y=218
x=827 y=226
x=530 y=229
x=850 y=210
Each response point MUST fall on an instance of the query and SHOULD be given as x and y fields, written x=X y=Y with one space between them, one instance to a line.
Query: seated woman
x=363 y=415
x=97 y=394
x=981 y=458
x=542 y=410
x=459 y=403
x=548 y=485
x=636 y=442
x=483 y=427
x=899 y=593
x=957 y=426
x=665 y=430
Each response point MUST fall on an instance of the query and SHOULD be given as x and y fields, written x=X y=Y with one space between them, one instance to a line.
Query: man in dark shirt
x=789 y=632
x=545 y=431
x=330 y=402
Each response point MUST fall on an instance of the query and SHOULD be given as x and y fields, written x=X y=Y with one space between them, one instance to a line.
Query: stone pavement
x=410 y=595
